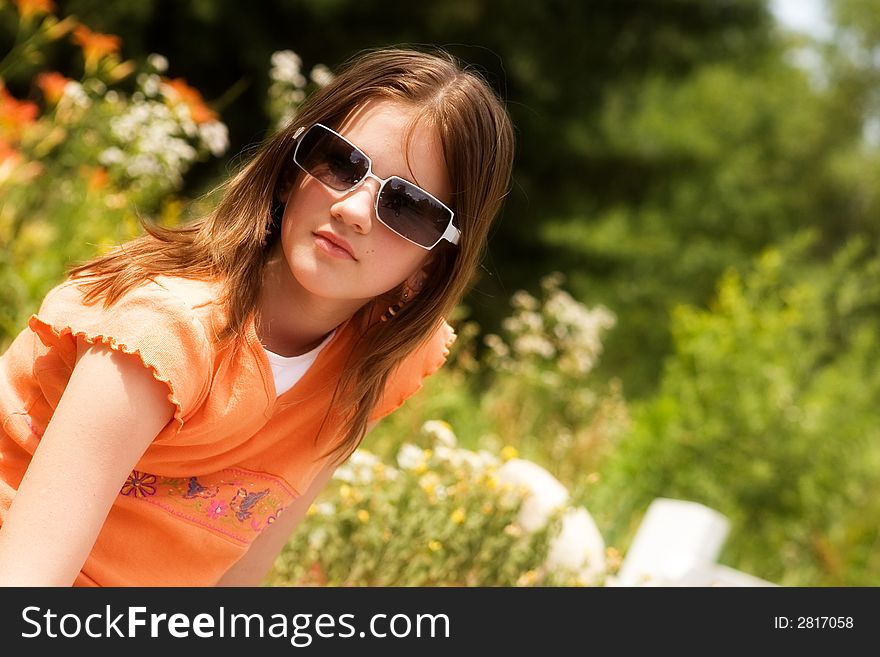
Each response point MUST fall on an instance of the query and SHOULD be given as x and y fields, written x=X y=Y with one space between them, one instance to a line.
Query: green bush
x=80 y=168
x=440 y=517
x=767 y=412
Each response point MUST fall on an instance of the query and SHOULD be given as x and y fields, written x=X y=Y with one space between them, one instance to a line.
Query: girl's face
x=335 y=247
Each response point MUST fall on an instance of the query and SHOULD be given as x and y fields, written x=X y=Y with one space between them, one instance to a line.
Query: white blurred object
x=719 y=575
x=579 y=547
x=545 y=493
x=677 y=544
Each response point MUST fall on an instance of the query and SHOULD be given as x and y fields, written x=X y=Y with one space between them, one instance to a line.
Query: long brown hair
x=234 y=241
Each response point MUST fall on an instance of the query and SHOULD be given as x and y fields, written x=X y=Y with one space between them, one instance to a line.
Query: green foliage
x=441 y=518
x=78 y=170
x=531 y=390
x=767 y=412
x=662 y=148
x=711 y=170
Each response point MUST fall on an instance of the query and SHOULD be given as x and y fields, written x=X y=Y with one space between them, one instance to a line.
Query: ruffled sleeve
x=150 y=322
x=408 y=377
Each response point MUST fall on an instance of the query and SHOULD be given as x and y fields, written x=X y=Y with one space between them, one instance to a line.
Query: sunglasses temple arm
x=452 y=234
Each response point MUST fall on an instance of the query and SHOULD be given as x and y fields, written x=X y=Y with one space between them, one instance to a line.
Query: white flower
x=488 y=459
x=545 y=493
x=158 y=62
x=430 y=483
x=76 y=95
x=360 y=468
x=579 y=548
x=317 y=538
x=441 y=432
x=150 y=84
x=321 y=75
x=111 y=156
x=537 y=345
x=497 y=345
x=286 y=66
x=215 y=137
x=523 y=300
x=325 y=508
x=344 y=473
x=410 y=457
x=449 y=455
x=362 y=458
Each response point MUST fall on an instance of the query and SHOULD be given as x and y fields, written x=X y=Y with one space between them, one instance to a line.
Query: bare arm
x=109 y=413
x=256 y=563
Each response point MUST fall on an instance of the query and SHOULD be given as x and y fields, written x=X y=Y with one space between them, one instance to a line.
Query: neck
x=290 y=320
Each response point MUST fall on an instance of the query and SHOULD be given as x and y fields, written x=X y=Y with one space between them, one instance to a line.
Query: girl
x=173 y=409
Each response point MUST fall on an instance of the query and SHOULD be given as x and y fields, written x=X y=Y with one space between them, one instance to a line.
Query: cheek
x=396 y=253
x=306 y=196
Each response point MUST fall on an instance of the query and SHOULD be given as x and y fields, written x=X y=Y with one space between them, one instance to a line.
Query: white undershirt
x=287 y=370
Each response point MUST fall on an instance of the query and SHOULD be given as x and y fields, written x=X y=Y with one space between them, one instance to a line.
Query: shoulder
x=161 y=304
x=165 y=323
x=408 y=377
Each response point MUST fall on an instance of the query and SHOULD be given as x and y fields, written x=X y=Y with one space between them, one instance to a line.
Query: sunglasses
x=402 y=206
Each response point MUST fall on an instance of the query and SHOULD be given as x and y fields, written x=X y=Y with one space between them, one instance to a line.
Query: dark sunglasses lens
x=330 y=159
x=410 y=212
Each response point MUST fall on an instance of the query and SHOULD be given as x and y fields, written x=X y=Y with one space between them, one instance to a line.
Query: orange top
x=232 y=457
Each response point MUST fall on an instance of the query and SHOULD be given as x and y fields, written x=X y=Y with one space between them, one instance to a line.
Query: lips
x=337 y=242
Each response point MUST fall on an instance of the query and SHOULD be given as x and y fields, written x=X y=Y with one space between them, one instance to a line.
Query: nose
x=356 y=207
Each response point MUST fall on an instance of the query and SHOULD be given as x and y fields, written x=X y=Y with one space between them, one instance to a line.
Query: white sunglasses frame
x=452 y=233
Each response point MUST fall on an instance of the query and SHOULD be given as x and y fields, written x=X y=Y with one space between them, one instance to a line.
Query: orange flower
x=183 y=93
x=96 y=179
x=30 y=8
x=95 y=45
x=14 y=114
x=52 y=85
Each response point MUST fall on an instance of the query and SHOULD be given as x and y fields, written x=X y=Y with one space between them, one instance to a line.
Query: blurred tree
x=767 y=412
x=567 y=69
x=659 y=141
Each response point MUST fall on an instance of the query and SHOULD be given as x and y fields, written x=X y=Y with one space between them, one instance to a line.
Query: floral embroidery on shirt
x=139 y=484
x=234 y=502
x=216 y=509
x=195 y=489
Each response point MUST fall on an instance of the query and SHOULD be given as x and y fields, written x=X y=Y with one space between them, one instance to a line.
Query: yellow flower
x=312 y=510
x=345 y=492
x=529 y=578
x=458 y=516
x=613 y=557
x=509 y=452
x=363 y=515
x=434 y=545
x=491 y=482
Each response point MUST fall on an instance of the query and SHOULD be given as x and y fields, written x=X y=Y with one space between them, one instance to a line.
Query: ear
x=416 y=281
